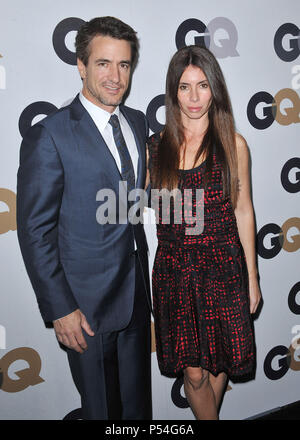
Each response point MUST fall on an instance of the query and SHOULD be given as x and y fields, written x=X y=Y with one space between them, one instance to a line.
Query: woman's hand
x=254 y=294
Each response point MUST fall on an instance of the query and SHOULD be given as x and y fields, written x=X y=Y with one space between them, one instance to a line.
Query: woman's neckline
x=182 y=170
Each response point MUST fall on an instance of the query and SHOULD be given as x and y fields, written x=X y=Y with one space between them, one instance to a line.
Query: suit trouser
x=113 y=376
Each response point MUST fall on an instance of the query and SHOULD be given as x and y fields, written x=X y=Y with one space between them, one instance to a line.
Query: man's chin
x=110 y=102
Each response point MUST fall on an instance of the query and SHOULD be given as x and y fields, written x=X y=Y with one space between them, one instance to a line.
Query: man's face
x=107 y=74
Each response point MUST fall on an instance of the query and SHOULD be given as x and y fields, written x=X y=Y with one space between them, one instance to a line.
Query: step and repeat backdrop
x=258 y=46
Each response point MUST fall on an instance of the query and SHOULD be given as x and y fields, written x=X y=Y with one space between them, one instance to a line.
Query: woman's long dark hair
x=220 y=132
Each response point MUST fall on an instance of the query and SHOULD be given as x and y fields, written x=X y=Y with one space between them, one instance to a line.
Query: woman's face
x=194 y=94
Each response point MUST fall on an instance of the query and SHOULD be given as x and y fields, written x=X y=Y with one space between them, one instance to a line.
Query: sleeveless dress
x=200 y=283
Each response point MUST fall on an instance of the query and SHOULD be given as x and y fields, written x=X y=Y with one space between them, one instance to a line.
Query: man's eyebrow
x=102 y=60
x=105 y=60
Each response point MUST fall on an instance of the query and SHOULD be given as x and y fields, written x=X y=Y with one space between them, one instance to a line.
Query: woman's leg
x=218 y=384
x=203 y=392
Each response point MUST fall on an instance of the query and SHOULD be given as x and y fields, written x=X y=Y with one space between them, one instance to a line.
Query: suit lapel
x=86 y=132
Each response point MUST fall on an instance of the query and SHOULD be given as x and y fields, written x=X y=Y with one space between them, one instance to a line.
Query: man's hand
x=68 y=330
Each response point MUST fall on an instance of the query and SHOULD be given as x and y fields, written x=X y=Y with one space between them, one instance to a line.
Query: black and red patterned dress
x=200 y=283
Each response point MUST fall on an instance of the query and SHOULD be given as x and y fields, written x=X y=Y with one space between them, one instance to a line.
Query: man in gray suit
x=91 y=279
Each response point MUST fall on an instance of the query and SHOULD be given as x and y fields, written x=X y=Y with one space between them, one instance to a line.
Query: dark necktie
x=127 y=171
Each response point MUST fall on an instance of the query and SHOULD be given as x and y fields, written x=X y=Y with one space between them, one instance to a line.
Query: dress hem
x=231 y=373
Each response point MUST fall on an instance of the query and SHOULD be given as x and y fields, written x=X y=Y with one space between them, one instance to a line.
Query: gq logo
x=270 y=109
x=223 y=48
x=28 y=376
x=61 y=32
x=290 y=34
x=278 y=238
x=152 y=110
x=293 y=305
x=32 y=111
x=291 y=181
x=8 y=218
x=289 y=358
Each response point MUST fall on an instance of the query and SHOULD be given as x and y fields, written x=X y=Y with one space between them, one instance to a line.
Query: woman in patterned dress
x=204 y=285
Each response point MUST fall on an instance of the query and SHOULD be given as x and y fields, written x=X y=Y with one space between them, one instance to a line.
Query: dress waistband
x=205 y=241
